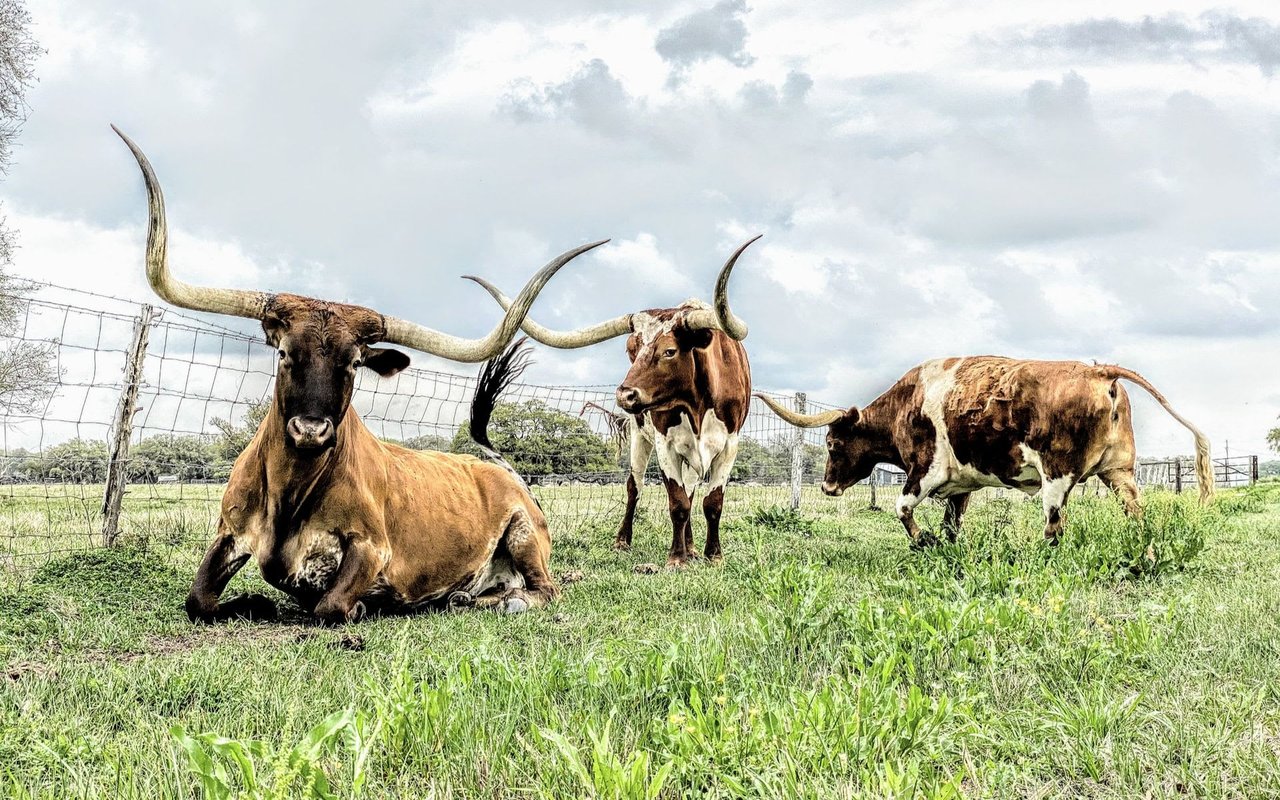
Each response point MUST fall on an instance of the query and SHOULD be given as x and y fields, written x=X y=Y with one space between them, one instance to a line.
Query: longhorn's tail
x=1204 y=464
x=497 y=374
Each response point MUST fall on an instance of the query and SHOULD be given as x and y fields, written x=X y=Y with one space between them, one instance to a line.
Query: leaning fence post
x=797 y=454
x=123 y=427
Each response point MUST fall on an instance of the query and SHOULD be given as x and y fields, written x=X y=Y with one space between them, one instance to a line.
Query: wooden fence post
x=1253 y=470
x=117 y=476
x=797 y=455
x=1177 y=475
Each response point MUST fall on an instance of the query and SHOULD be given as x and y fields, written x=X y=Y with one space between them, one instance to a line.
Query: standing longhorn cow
x=959 y=424
x=336 y=518
x=685 y=396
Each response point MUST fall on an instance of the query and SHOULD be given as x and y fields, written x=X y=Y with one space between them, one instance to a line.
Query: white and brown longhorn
x=336 y=518
x=957 y=425
x=685 y=396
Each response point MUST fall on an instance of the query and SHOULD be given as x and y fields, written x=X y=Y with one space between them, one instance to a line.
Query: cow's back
x=995 y=409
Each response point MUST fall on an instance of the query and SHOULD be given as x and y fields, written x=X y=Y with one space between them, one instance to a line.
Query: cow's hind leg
x=1054 y=492
x=528 y=543
x=221 y=562
x=1122 y=483
x=954 y=516
x=641 y=451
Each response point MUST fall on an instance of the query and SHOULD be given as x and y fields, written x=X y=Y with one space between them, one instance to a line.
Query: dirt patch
x=28 y=669
x=647 y=569
x=571 y=577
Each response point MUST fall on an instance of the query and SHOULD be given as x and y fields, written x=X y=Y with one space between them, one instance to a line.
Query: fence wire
x=204 y=387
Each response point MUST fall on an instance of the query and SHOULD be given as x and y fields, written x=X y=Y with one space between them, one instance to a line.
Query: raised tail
x=495 y=376
x=1204 y=462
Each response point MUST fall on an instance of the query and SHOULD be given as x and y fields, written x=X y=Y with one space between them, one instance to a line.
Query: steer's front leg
x=361 y=563
x=223 y=560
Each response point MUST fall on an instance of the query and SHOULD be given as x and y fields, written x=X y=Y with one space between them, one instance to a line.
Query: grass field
x=822 y=659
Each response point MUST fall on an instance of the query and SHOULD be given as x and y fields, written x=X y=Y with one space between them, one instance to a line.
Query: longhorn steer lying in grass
x=957 y=425
x=337 y=519
x=685 y=396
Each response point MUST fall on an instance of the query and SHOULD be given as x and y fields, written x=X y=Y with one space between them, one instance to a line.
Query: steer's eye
x=670 y=352
x=357 y=362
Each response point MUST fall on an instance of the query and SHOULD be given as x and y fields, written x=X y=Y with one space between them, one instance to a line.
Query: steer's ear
x=385 y=361
x=693 y=339
x=851 y=416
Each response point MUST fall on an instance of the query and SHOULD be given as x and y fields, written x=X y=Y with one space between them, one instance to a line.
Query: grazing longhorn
x=959 y=424
x=339 y=520
x=685 y=396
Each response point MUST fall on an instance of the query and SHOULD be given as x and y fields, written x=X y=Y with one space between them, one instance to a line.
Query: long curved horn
x=236 y=302
x=564 y=340
x=801 y=420
x=419 y=337
x=242 y=303
x=724 y=318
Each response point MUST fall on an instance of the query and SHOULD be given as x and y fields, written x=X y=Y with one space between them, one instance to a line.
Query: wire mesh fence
x=141 y=413
x=123 y=420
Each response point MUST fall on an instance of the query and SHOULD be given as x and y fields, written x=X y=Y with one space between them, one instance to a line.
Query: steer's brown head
x=322 y=344
x=663 y=366
x=853 y=450
x=661 y=344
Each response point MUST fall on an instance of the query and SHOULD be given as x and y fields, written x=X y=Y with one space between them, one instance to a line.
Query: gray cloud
x=716 y=32
x=593 y=98
x=1213 y=35
x=948 y=210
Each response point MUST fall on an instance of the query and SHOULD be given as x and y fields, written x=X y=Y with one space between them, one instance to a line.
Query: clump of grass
x=1168 y=537
x=781 y=518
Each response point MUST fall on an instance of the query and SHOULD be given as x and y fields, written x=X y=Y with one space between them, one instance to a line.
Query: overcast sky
x=1090 y=180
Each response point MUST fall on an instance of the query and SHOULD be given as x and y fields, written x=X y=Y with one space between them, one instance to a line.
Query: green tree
x=539 y=440
x=73 y=461
x=28 y=371
x=188 y=457
x=428 y=442
x=233 y=438
x=1273 y=439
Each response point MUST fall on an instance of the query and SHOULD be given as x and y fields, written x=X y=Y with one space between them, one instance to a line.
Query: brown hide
x=432 y=519
x=709 y=371
x=1010 y=422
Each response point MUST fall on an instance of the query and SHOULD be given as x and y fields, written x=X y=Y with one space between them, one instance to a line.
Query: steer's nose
x=628 y=398
x=832 y=489
x=309 y=432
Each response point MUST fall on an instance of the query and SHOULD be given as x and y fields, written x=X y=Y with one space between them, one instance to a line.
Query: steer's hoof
x=924 y=541
x=461 y=601
x=647 y=569
x=249 y=606
x=621 y=545
x=515 y=605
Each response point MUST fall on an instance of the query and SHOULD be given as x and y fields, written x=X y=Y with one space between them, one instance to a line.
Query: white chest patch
x=693 y=459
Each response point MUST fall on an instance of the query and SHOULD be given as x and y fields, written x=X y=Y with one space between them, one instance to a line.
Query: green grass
x=822 y=659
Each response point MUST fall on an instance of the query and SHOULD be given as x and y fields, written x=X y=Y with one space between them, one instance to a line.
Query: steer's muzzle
x=833 y=489
x=310 y=433
x=629 y=399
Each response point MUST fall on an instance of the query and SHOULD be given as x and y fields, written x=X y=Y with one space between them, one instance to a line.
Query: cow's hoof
x=249 y=606
x=332 y=614
x=621 y=545
x=676 y=563
x=647 y=569
x=515 y=605
x=925 y=541
x=716 y=558
x=461 y=601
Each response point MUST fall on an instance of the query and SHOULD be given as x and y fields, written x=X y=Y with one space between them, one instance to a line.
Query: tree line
x=539 y=441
